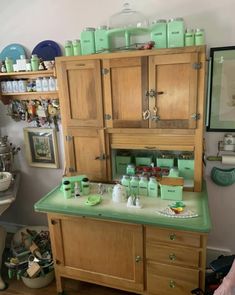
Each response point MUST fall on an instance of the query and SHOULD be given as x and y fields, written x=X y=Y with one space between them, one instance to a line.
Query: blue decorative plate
x=13 y=51
x=47 y=50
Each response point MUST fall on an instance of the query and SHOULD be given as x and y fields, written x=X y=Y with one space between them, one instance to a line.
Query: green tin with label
x=101 y=39
x=199 y=37
x=159 y=33
x=175 y=32
x=88 y=41
x=189 y=37
x=186 y=168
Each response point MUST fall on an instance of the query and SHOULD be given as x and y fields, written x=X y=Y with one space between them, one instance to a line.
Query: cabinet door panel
x=175 y=80
x=102 y=252
x=86 y=153
x=125 y=86
x=81 y=93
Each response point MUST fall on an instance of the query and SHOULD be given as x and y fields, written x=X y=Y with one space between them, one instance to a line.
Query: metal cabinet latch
x=196 y=116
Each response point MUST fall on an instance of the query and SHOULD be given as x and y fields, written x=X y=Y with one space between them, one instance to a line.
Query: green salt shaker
x=175 y=32
x=189 y=37
x=199 y=37
x=159 y=33
x=88 y=41
x=68 y=48
x=101 y=39
x=9 y=64
x=76 y=47
x=34 y=62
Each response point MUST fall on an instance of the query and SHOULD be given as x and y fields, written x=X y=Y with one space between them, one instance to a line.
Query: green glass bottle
x=34 y=62
x=68 y=48
x=199 y=37
x=76 y=47
x=9 y=64
x=189 y=37
x=152 y=187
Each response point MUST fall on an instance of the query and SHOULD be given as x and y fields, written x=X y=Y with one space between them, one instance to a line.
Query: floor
x=18 y=288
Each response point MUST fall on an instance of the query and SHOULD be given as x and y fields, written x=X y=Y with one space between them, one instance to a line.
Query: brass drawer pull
x=138 y=258
x=172 y=257
x=57 y=262
x=172 y=284
x=172 y=237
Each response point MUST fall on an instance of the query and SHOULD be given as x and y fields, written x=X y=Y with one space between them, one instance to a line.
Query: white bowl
x=5 y=180
x=39 y=282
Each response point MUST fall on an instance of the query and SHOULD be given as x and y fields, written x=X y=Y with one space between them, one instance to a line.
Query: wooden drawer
x=166 y=280
x=173 y=255
x=172 y=237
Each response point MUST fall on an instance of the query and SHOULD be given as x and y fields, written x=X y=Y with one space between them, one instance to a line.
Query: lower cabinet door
x=97 y=251
x=164 y=279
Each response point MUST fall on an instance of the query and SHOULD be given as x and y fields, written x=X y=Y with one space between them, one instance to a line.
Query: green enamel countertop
x=54 y=202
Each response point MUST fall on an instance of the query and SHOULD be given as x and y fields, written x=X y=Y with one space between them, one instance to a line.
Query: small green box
x=143 y=160
x=165 y=162
x=171 y=192
x=186 y=168
x=121 y=164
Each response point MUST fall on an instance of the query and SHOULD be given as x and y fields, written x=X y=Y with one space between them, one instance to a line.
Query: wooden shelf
x=29 y=75
x=30 y=95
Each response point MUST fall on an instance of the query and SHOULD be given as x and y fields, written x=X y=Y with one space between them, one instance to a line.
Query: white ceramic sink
x=8 y=196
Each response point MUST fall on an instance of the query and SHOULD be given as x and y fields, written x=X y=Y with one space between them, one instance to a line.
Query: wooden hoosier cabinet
x=149 y=100
x=139 y=100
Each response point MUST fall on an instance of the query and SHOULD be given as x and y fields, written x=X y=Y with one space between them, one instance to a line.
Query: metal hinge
x=104 y=71
x=151 y=93
x=68 y=138
x=107 y=117
x=197 y=65
x=196 y=116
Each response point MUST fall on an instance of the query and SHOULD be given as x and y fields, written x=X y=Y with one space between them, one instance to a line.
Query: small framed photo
x=41 y=147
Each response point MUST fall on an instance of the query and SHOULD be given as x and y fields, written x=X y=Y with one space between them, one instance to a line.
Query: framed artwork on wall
x=41 y=147
x=221 y=86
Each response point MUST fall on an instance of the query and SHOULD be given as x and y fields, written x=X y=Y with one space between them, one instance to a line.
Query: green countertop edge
x=166 y=222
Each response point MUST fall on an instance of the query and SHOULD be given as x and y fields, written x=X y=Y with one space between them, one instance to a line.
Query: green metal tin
x=159 y=33
x=122 y=163
x=186 y=168
x=101 y=39
x=88 y=41
x=175 y=32
x=170 y=192
x=189 y=37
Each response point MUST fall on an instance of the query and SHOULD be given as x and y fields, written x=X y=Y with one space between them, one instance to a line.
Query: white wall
x=28 y=22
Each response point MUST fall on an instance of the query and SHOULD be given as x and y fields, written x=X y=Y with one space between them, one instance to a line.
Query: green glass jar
x=134 y=185
x=101 y=39
x=126 y=182
x=76 y=47
x=85 y=186
x=9 y=64
x=152 y=187
x=130 y=169
x=34 y=62
x=88 y=41
x=175 y=32
x=68 y=47
x=143 y=186
x=189 y=37
x=159 y=33
x=199 y=37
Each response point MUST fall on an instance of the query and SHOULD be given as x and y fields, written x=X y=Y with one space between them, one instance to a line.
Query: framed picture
x=41 y=147
x=221 y=94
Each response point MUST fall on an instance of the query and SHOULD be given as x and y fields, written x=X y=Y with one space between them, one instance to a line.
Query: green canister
x=34 y=62
x=126 y=182
x=159 y=33
x=199 y=37
x=189 y=37
x=130 y=169
x=134 y=185
x=143 y=186
x=152 y=187
x=76 y=47
x=101 y=39
x=175 y=32
x=9 y=64
x=85 y=186
x=88 y=41
x=68 y=48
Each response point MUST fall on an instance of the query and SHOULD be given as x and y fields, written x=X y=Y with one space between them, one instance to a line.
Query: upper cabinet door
x=80 y=92
x=173 y=90
x=125 y=85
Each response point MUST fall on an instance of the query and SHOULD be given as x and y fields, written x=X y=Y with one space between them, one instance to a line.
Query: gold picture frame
x=41 y=147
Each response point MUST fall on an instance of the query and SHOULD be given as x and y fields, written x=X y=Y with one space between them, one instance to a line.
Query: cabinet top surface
x=54 y=202
x=134 y=53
